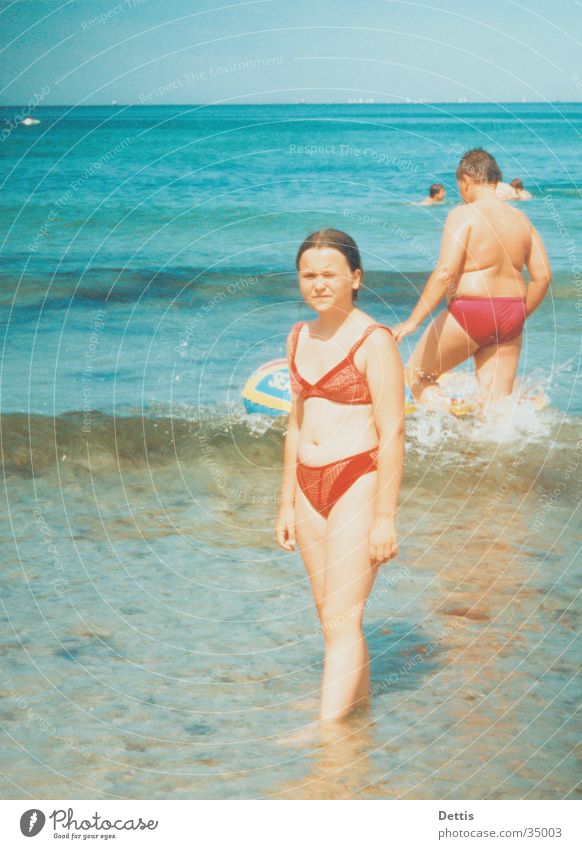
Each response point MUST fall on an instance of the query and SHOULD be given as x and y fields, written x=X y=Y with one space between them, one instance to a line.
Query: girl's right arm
x=285 y=530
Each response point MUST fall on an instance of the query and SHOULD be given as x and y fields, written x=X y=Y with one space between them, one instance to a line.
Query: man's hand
x=405 y=329
x=285 y=528
x=383 y=544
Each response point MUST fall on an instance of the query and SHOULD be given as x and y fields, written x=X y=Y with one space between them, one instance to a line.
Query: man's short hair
x=516 y=183
x=435 y=189
x=479 y=165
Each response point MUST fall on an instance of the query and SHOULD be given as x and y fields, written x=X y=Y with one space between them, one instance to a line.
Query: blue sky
x=269 y=51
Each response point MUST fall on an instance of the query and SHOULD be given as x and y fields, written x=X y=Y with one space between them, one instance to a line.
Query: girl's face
x=326 y=280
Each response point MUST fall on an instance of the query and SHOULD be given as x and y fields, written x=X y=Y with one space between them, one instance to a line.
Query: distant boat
x=30 y=122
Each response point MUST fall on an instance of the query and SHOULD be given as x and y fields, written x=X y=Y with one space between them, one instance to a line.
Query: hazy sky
x=197 y=51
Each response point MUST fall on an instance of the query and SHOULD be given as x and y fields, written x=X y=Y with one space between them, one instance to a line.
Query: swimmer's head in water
x=348 y=265
x=517 y=184
x=479 y=166
x=437 y=191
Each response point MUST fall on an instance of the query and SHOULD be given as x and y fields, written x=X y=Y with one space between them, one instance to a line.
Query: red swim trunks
x=489 y=321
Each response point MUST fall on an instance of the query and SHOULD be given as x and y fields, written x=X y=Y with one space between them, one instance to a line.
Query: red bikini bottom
x=323 y=486
x=489 y=321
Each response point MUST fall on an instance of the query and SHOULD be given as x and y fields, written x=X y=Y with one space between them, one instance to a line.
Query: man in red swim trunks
x=485 y=246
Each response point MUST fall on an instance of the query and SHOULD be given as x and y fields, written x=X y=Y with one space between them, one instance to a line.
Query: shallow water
x=149 y=617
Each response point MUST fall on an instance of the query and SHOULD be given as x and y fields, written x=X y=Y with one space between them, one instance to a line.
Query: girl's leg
x=363 y=691
x=348 y=580
x=311 y=529
x=442 y=346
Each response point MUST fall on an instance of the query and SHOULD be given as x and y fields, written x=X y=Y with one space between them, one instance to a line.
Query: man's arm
x=446 y=275
x=540 y=272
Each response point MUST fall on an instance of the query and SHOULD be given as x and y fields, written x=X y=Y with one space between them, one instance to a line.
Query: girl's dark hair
x=338 y=240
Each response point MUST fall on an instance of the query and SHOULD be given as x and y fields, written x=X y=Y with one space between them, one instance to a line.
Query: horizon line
x=311 y=103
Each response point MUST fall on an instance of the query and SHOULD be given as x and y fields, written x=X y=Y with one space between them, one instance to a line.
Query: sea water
x=155 y=643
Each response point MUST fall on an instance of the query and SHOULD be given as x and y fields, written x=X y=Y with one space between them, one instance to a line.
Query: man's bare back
x=498 y=241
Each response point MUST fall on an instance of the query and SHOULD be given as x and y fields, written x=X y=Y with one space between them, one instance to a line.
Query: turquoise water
x=155 y=642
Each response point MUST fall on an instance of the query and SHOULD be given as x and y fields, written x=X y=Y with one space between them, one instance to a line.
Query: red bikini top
x=343 y=383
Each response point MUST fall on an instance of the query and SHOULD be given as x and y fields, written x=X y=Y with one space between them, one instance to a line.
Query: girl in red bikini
x=486 y=244
x=343 y=457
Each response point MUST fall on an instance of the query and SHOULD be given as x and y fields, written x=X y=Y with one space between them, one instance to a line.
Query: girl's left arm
x=386 y=381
